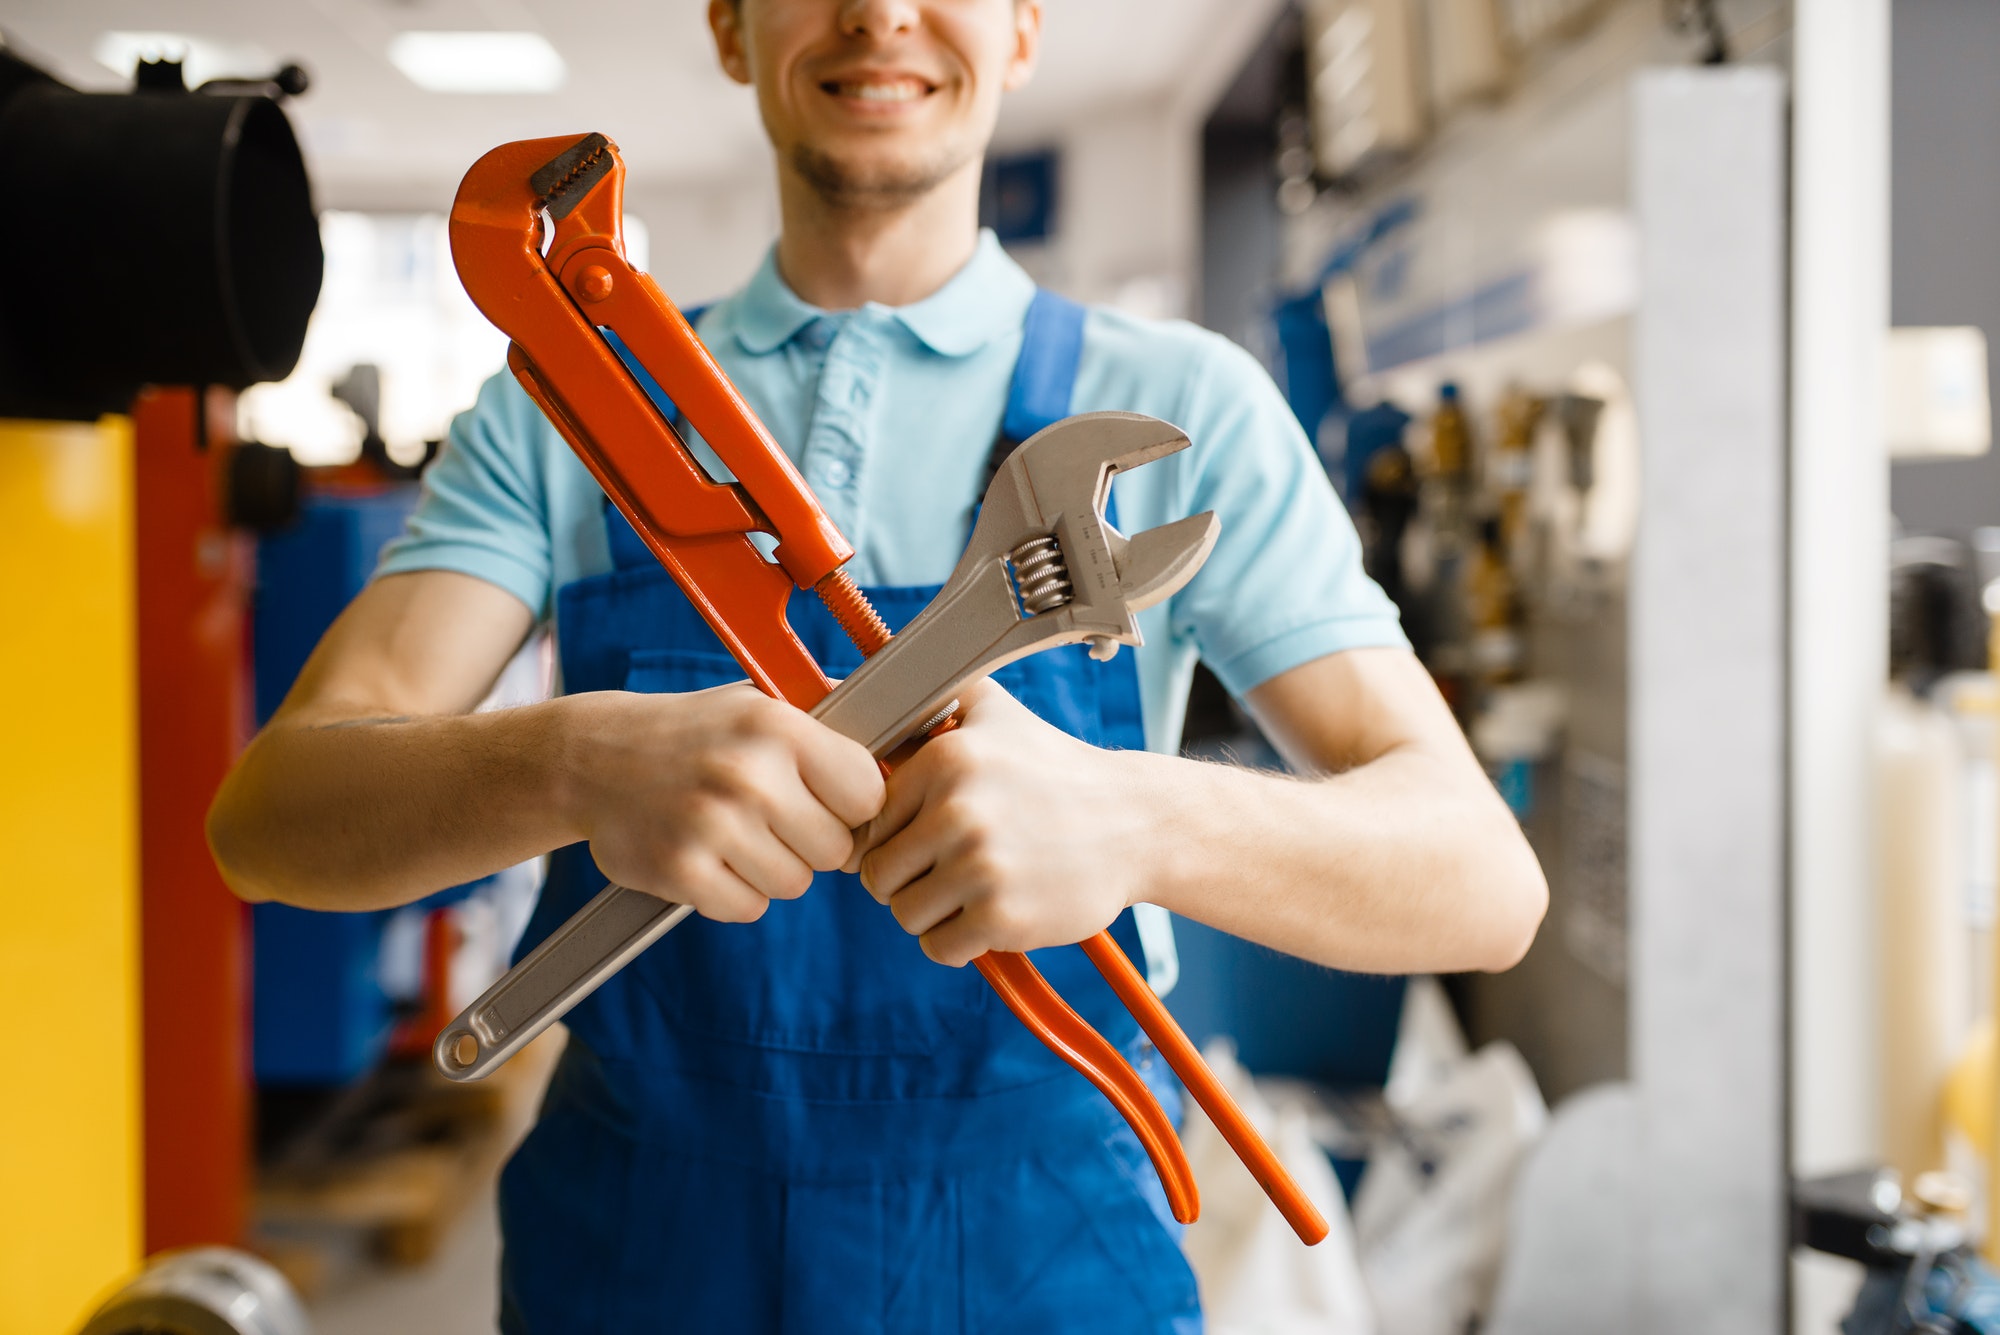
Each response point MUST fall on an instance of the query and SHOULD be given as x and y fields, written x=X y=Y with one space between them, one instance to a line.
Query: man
x=801 y=1124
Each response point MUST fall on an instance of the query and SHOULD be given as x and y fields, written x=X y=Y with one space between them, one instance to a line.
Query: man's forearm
x=1400 y=865
x=347 y=810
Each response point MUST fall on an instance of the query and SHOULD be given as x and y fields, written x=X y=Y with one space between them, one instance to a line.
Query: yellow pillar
x=69 y=963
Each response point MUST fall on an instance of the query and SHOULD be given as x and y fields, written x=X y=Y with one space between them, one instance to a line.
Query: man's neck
x=837 y=256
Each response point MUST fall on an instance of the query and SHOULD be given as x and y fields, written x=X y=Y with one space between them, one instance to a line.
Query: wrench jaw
x=1036 y=491
x=1079 y=455
x=1114 y=576
x=1155 y=565
x=1044 y=568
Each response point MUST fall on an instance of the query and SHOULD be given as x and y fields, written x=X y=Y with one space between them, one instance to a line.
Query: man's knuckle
x=962 y=814
x=796 y=881
x=998 y=919
x=756 y=717
x=683 y=867
x=704 y=815
x=741 y=908
x=832 y=853
x=948 y=757
x=732 y=773
x=983 y=861
x=967 y=758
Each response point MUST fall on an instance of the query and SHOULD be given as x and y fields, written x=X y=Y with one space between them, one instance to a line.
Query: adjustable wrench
x=1043 y=568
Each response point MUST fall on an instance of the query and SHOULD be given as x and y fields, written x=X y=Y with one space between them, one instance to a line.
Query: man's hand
x=1389 y=853
x=722 y=799
x=1005 y=834
x=375 y=784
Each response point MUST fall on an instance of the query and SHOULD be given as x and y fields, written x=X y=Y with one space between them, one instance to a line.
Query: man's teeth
x=883 y=92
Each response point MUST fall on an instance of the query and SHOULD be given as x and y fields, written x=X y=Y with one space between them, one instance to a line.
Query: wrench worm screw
x=931 y=723
x=1042 y=575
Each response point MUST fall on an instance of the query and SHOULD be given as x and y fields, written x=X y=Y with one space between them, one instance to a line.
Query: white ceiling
x=642 y=71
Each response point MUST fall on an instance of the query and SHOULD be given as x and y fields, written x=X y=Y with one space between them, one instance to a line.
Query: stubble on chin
x=844 y=185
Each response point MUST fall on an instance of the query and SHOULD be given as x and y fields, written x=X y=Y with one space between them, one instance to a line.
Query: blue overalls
x=802 y=1124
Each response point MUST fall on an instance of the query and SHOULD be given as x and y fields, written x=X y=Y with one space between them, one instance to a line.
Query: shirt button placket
x=842 y=419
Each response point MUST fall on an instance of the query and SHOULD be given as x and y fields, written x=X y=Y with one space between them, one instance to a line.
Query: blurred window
x=391 y=299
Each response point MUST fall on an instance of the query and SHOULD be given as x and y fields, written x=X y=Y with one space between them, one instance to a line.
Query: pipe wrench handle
x=1185 y=1059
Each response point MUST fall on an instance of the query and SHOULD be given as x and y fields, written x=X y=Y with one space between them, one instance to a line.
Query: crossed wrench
x=536 y=237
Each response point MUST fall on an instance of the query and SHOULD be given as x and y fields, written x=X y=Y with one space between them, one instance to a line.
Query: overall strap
x=1044 y=374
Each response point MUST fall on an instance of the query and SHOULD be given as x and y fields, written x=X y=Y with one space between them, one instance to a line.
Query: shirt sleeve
x=1284 y=584
x=484 y=511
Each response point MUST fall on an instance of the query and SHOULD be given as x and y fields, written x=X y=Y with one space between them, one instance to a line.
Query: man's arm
x=1393 y=855
x=373 y=784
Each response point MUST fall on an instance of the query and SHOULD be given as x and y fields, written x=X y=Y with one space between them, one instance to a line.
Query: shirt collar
x=987 y=297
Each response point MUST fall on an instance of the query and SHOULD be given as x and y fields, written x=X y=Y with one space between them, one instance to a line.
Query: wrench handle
x=597 y=941
x=1041 y=1008
x=1185 y=1059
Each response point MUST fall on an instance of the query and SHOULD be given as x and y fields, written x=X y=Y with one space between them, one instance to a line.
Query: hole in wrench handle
x=596 y=942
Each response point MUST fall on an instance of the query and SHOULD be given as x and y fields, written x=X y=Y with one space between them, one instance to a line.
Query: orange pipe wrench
x=535 y=233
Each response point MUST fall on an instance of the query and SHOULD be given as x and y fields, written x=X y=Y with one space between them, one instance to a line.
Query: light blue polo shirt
x=890 y=414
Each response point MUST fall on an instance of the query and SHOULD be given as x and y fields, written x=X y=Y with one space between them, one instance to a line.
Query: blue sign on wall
x=1017 y=196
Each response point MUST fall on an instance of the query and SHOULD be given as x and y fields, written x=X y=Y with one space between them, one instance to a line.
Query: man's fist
x=1008 y=834
x=723 y=799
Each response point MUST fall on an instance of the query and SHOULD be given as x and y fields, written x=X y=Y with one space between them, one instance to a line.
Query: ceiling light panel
x=478 y=62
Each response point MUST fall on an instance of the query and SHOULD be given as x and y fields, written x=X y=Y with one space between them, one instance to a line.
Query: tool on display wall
x=1922 y=1275
x=535 y=234
x=1463 y=529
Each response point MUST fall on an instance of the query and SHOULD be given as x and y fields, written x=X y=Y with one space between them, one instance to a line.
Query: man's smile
x=879 y=89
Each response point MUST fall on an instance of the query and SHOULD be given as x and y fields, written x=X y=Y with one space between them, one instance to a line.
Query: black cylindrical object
x=151 y=237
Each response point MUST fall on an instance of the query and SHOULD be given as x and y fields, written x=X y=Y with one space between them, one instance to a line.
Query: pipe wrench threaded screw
x=851 y=608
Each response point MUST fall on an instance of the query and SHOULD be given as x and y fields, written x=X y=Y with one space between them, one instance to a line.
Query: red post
x=193 y=589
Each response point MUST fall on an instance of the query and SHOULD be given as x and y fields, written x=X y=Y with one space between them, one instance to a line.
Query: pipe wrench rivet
x=594 y=283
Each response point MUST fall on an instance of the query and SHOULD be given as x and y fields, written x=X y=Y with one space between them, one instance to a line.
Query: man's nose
x=878 y=18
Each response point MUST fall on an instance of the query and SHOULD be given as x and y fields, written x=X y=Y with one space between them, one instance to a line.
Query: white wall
x=707 y=237
x=1839 y=595
x=1128 y=210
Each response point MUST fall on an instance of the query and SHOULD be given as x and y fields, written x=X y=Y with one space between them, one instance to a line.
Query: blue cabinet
x=318 y=1012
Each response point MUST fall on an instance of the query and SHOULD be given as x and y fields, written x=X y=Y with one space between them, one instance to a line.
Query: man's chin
x=872 y=180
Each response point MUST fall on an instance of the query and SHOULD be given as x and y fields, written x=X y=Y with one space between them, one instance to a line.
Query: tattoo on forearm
x=360 y=722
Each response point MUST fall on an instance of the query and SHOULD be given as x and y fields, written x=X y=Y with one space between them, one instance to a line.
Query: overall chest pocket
x=831 y=972
x=659 y=671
